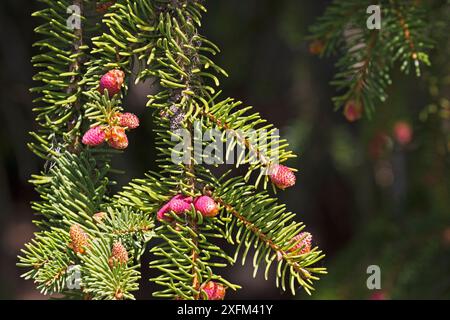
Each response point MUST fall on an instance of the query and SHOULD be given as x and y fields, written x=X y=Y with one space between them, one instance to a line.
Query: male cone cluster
x=180 y=204
x=119 y=254
x=117 y=138
x=94 y=136
x=206 y=206
x=128 y=120
x=114 y=132
x=79 y=239
x=214 y=290
x=114 y=135
x=302 y=242
x=282 y=176
x=112 y=82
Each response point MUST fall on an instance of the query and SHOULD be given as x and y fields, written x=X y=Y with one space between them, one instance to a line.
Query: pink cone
x=129 y=120
x=304 y=245
x=214 y=290
x=112 y=81
x=206 y=206
x=178 y=204
x=282 y=176
x=94 y=136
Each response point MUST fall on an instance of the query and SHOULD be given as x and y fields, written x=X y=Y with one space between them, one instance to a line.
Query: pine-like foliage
x=367 y=57
x=93 y=240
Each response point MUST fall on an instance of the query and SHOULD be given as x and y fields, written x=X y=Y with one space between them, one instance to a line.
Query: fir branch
x=367 y=56
x=264 y=238
x=47 y=257
x=108 y=236
x=132 y=228
x=250 y=133
x=147 y=194
x=412 y=22
x=258 y=220
x=72 y=191
x=59 y=73
x=243 y=140
x=103 y=280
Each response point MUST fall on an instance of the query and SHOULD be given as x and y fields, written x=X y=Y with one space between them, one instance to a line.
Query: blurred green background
x=366 y=198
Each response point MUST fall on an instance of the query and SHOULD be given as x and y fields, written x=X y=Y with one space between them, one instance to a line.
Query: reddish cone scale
x=303 y=243
x=214 y=290
x=129 y=120
x=117 y=138
x=119 y=254
x=353 y=111
x=112 y=81
x=178 y=204
x=94 y=136
x=206 y=206
x=282 y=176
x=79 y=239
x=403 y=133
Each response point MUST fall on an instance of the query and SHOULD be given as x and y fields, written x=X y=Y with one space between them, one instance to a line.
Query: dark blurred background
x=367 y=197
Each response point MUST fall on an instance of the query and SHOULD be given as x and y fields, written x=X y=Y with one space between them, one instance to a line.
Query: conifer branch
x=104 y=237
x=263 y=237
x=368 y=56
x=243 y=140
x=406 y=31
x=256 y=220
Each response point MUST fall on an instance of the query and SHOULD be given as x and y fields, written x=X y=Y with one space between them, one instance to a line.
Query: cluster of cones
x=114 y=133
x=80 y=244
